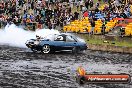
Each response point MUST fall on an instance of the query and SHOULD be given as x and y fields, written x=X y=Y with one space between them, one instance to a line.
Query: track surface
x=21 y=68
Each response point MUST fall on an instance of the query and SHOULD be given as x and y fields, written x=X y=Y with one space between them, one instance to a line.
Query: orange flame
x=81 y=71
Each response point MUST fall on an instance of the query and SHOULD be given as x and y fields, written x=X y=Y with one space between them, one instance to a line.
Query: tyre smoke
x=13 y=35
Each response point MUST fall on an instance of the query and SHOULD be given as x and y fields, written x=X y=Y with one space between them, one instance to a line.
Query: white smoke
x=16 y=36
x=47 y=34
x=13 y=35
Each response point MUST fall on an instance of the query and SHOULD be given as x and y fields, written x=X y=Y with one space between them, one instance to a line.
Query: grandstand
x=83 y=25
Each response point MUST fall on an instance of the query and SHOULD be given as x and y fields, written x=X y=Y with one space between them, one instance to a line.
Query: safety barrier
x=110 y=25
x=78 y=26
x=98 y=27
x=84 y=26
x=128 y=30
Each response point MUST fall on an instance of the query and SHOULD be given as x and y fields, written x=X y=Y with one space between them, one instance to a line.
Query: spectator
x=51 y=14
x=103 y=27
x=91 y=3
x=87 y=4
x=76 y=14
x=92 y=25
x=81 y=4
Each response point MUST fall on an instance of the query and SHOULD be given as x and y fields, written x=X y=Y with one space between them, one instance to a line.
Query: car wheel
x=46 y=49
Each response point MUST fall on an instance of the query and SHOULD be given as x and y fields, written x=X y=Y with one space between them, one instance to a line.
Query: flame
x=81 y=71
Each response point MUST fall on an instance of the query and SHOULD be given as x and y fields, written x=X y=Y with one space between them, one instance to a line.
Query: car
x=60 y=42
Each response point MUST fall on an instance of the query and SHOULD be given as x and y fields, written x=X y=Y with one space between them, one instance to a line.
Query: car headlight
x=36 y=42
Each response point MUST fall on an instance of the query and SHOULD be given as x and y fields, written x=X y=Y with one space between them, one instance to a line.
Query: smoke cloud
x=13 y=35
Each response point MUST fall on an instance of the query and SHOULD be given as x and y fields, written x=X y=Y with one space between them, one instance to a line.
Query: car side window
x=59 y=38
x=70 y=39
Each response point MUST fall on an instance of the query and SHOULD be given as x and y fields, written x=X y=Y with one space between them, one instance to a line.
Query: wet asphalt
x=21 y=68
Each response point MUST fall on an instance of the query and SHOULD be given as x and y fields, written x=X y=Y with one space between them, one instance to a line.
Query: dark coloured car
x=62 y=42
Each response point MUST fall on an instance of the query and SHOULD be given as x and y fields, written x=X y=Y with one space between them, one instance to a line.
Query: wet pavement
x=21 y=68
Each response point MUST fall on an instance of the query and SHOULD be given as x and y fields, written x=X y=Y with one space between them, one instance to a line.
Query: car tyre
x=46 y=49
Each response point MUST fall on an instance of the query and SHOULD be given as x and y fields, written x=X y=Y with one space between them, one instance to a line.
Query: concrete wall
x=110 y=48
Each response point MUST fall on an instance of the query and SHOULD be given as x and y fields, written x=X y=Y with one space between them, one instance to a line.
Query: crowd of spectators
x=52 y=13
x=48 y=13
x=113 y=9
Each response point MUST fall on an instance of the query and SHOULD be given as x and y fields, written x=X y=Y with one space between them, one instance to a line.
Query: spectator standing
x=103 y=27
x=91 y=3
x=92 y=25
x=76 y=14
x=77 y=5
x=87 y=4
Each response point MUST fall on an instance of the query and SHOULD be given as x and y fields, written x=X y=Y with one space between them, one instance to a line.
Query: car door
x=70 y=43
x=59 y=43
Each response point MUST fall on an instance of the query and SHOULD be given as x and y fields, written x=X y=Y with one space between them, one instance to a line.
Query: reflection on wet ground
x=20 y=68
